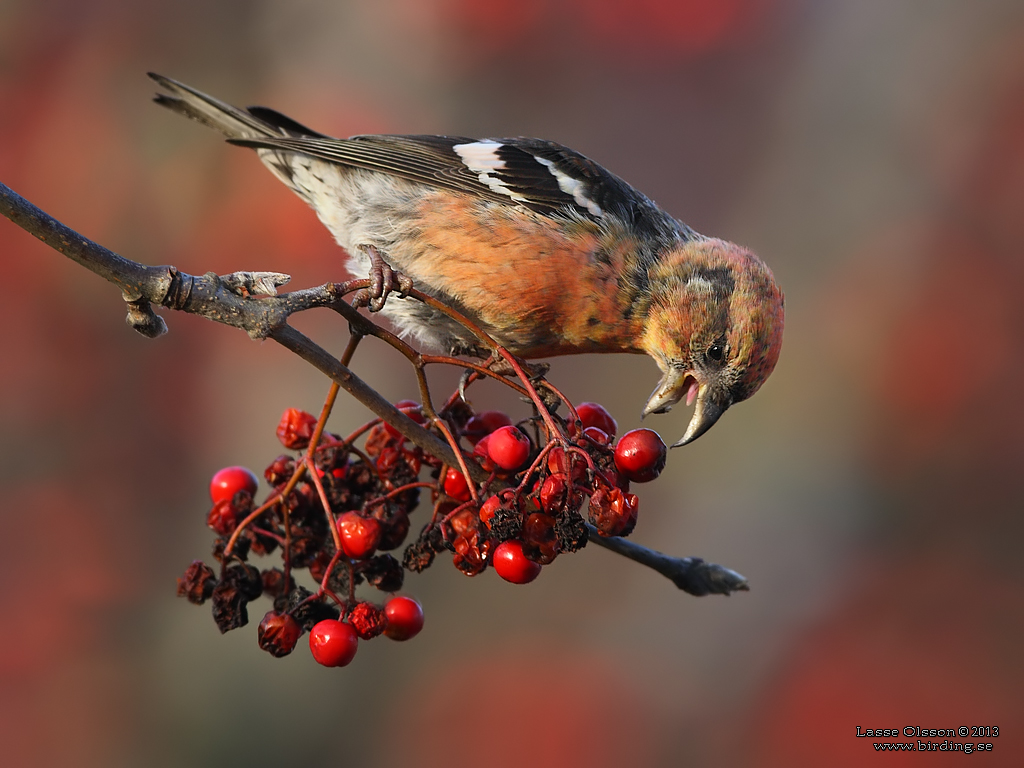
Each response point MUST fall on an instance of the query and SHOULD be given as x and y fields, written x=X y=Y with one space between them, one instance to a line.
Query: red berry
x=508 y=447
x=296 y=428
x=455 y=485
x=595 y=415
x=481 y=452
x=405 y=618
x=512 y=565
x=229 y=481
x=333 y=643
x=410 y=408
x=359 y=535
x=483 y=423
x=278 y=633
x=597 y=435
x=640 y=455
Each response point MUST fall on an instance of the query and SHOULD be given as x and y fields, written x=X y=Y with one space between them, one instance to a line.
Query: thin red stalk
x=458 y=455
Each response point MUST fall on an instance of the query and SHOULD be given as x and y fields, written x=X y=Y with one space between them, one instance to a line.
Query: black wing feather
x=433 y=160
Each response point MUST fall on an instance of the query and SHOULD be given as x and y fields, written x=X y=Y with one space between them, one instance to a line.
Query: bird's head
x=714 y=327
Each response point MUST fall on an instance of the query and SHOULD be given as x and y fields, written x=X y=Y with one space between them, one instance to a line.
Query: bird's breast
x=540 y=285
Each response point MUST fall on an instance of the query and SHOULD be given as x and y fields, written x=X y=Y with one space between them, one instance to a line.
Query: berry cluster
x=338 y=511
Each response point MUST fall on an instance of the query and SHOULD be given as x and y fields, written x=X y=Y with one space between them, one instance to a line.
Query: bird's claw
x=383 y=280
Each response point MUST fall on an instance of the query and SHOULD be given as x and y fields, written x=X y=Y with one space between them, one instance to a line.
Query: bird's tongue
x=691 y=392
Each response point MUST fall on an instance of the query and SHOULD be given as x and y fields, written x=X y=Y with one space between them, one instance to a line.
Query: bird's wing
x=537 y=174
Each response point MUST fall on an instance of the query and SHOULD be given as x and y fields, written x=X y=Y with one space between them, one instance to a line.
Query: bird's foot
x=383 y=280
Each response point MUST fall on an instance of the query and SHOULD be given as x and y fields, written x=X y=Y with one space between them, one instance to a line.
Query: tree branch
x=246 y=300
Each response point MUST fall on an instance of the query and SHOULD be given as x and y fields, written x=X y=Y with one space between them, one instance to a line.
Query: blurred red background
x=873 y=153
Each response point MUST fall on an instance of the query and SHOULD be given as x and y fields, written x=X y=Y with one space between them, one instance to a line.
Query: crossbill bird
x=543 y=248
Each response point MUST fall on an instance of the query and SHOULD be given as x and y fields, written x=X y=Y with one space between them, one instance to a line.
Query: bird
x=541 y=247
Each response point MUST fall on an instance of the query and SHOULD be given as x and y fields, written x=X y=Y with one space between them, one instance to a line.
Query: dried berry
x=223 y=518
x=280 y=470
x=613 y=512
x=471 y=553
x=540 y=543
x=198 y=582
x=278 y=633
x=308 y=610
x=571 y=531
x=367 y=620
x=239 y=584
x=296 y=429
x=383 y=572
x=274 y=584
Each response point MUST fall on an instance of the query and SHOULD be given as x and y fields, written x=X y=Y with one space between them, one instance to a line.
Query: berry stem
x=326 y=504
x=441 y=425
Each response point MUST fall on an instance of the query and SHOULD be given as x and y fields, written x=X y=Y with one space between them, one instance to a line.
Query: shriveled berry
x=333 y=643
x=359 y=535
x=278 y=633
x=483 y=423
x=405 y=618
x=471 y=552
x=296 y=429
x=465 y=521
x=229 y=481
x=384 y=572
x=274 y=584
x=198 y=582
x=512 y=565
x=508 y=447
x=640 y=455
x=595 y=415
x=540 y=542
x=558 y=463
x=368 y=620
x=280 y=470
x=455 y=485
x=488 y=509
x=393 y=530
x=553 y=493
x=223 y=518
x=613 y=511
x=410 y=408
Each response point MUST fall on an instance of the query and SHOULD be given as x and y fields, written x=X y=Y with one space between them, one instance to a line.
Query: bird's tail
x=235 y=123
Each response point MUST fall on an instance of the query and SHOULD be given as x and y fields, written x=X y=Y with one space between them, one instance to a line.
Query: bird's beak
x=704 y=417
x=670 y=390
x=675 y=385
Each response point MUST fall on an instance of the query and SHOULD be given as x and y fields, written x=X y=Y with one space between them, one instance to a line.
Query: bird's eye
x=715 y=352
